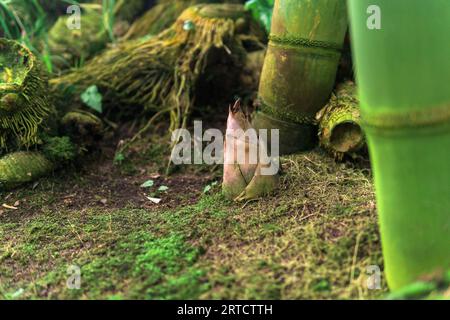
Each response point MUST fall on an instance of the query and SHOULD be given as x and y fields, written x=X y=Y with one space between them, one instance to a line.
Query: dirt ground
x=313 y=238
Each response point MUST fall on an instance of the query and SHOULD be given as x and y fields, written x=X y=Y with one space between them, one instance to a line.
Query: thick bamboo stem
x=402 y=52
x=300 y=68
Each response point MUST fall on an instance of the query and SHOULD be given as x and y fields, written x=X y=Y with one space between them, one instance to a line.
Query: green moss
x=312 y=240
x=84 y=128
x=24 y=103
x=22 y=167
x=72 y=47
x=129 y=10
x=162 y=73
x=166 y=266
x=59 y=149
x=162 y=15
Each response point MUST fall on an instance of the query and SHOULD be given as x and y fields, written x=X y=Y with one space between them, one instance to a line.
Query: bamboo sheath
x=300 y=68
x=403 y=73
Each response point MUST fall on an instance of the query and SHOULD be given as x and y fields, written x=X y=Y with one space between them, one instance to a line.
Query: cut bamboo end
x=340 y=131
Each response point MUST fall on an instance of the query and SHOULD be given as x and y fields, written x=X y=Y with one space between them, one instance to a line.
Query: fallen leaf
x=154 y=200
x=104 y=201
x=17 y=203
x=9 y=207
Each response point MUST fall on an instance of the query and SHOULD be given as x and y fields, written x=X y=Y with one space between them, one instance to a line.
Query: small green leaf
x=188 y=25
x=148 y=184
x=119 y=158
x=209 y=187
x=93 y=98
x=416 y=290
x=163 y=188
x=16 y=295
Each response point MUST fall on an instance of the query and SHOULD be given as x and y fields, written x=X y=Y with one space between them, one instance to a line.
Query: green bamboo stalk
x=403 y=73
x=300 y=68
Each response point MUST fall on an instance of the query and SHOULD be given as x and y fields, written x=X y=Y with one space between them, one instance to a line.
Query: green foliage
x=119 y=158
x=148 y=184
x=262 y=11
x=209 y=187
x=109 y=17
x=15 y=295
x=22 y=20
x=26 y=22
x=158 y=192
x=416 y=290
x=93 y=98
x=435 y=288
x=163 y=188
x=59 y=149
x=29 y=22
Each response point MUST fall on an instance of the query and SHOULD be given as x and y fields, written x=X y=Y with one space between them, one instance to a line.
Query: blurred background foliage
x=261 y=11
x=29 y=21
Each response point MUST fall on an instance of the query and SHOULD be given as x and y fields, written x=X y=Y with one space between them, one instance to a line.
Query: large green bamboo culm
x=300 y=68
x=403 y=73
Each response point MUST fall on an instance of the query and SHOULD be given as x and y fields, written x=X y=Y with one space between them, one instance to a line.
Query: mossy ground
x=313 y=239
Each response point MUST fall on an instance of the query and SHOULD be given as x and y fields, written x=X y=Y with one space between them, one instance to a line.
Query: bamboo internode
x=300 y=68
x=403 y=71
